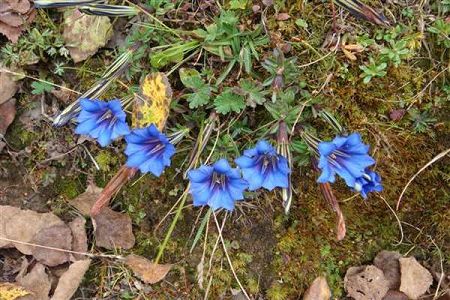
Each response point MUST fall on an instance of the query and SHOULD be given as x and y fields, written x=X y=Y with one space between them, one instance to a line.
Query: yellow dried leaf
x=349 y=54
x=354 y=47
x=153 y=103
x=10 y=291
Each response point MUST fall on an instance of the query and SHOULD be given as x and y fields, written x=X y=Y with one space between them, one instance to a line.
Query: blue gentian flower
x=104 y=121
x=369 y=182
x=346 y=156
x=262 y=166
x=217 y=186
x=148 y=150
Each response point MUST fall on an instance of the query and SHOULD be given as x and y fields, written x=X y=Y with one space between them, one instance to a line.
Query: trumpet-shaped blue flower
x=369 y=182
x=217 y=186
x=148 y=150
x=262 y=166
x=346 y=156
x=104 y=121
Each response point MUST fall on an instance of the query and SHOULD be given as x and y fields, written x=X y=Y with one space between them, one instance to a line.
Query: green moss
x=19 y=137
x=106 y=160
x=68 y=187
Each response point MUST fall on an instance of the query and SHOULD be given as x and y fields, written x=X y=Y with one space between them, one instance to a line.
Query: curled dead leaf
x=146 y=270
x=37 y=282
x=84 y=202
x=70 y=280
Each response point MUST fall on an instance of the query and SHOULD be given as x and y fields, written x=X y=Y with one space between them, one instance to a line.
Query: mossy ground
x=275 y=255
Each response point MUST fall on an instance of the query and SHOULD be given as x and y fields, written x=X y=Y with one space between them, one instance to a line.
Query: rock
x=395 y=295
x=415 y=279
x=319 y=290
x=387 y=261
x=365 y=283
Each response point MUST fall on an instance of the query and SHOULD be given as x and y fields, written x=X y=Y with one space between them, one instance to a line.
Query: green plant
x=421 y=121
x=442 y=31
x=373 y=69
x=201 y=94
x=40 y=87
x=396 y=53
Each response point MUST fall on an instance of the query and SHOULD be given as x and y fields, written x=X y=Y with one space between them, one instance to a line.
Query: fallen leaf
x=397 y=114
x=7 y=114
x=365 y=282
x=70 y=280
x=387 y=261
x=9 y=86
x=349 y=54
x=84 y=202
x=85 y=34
x=415 y=279
x=319 y=290
x=64 y=95
x=56 y=236
x=14 y=16
x=113 y=229
x=147 y=271
x=37 y=282
x=79 y=237
x=11 y=291
x=23 y=225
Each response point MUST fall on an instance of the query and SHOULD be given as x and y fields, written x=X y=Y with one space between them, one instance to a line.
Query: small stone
x=365 y=282
x=415 y=279
x=395 y=295
x=387 y=261
x=319 y=290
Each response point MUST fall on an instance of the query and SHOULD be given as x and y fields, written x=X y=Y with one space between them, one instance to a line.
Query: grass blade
x=109 y=10
x=62 y=3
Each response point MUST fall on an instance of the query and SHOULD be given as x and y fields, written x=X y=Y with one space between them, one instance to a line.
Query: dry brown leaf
x=11 y=291
x=37 y=282
x=85 y=34
x=282 y=17
x=147 y=271
x=79 y=237
x=23 y=225
x=319 y=290
x=70 y=280
x=56 y=236
x=14 y=16
x=7 y=114
x=8 y=84
x=349 y=54
x=84 y=202
x=113 y=229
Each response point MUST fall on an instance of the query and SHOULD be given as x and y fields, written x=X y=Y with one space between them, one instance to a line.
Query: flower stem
x=172 y=225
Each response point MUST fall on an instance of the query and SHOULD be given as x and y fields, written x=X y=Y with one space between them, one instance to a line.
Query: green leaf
x=238 y=4
x=191 y=78
x=301 y=23
x=200 y=97
x=40 y=88
x=253 y=92
x=228 y=101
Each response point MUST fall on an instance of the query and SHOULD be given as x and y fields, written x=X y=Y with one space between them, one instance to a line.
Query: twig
x=62 y=250
x=436 y=158
x=228 y=257
x=398 y=221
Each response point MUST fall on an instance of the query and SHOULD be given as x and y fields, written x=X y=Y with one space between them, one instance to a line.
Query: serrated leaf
x=200 y=97
x=253 y=92
x=191 y=78
x=41 y=87
x=228 y=101
x=151 y=105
